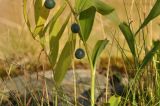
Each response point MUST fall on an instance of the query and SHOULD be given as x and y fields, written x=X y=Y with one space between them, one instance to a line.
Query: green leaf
x=25 y=14
x=52 y=22
x=54 y=50
x=42 y=38
x=40 y=18
x=82 y=5
x=150 y=55
x=40 y=26
x=97 y=50
x=155 y=11
x=37 y=9
x=54 y=43
x=125 y=29
x=102 y=7
x=25 y=10
x=114 y=18
x=86 y=20
x=114 y=101
x=55 y=17
x=64 y=61
x=50 y=25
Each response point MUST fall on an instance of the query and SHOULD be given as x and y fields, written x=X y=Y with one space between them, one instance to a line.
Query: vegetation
x=142 y=67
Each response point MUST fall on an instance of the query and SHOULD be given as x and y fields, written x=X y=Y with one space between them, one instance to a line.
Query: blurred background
x=18 y=48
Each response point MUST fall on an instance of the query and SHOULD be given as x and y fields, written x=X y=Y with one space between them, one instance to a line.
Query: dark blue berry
x=75 y=28
x=79 y=54
x=49 y=4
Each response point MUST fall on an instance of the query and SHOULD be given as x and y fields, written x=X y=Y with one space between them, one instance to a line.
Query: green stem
x=56 y=99
x=93 y=69
x=92 y=88
x=93 y=72
x=74 y=77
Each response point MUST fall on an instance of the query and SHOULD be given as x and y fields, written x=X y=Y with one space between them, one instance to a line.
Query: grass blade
x=157 y=59
x=150 y=54
x=155 y=11
x=86 y=20
x=125 y=29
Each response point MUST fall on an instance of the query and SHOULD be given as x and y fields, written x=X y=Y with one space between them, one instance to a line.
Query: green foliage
x=97 y=50
x=81 y=5
x=114 y=101
x=84 y=13
x=87 y=14
x=54 y=43
x=157 y=58
x=129 y=36
x=53 y=20
x=40 y=18
x=50 y=26
x=25 y=14
x=148 y=57
x=155 y=11
x=37 y=9
x=64 y=61
x=102 y=8
x=86 y=20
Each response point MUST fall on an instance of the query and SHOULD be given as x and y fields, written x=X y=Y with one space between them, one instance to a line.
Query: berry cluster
x=79 y=53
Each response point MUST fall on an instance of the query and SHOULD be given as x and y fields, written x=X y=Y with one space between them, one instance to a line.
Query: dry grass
x=16 y=43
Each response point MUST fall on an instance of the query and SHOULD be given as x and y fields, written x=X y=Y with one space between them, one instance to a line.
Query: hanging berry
x=49 y=4
x=79 y=54
x=75 y=28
